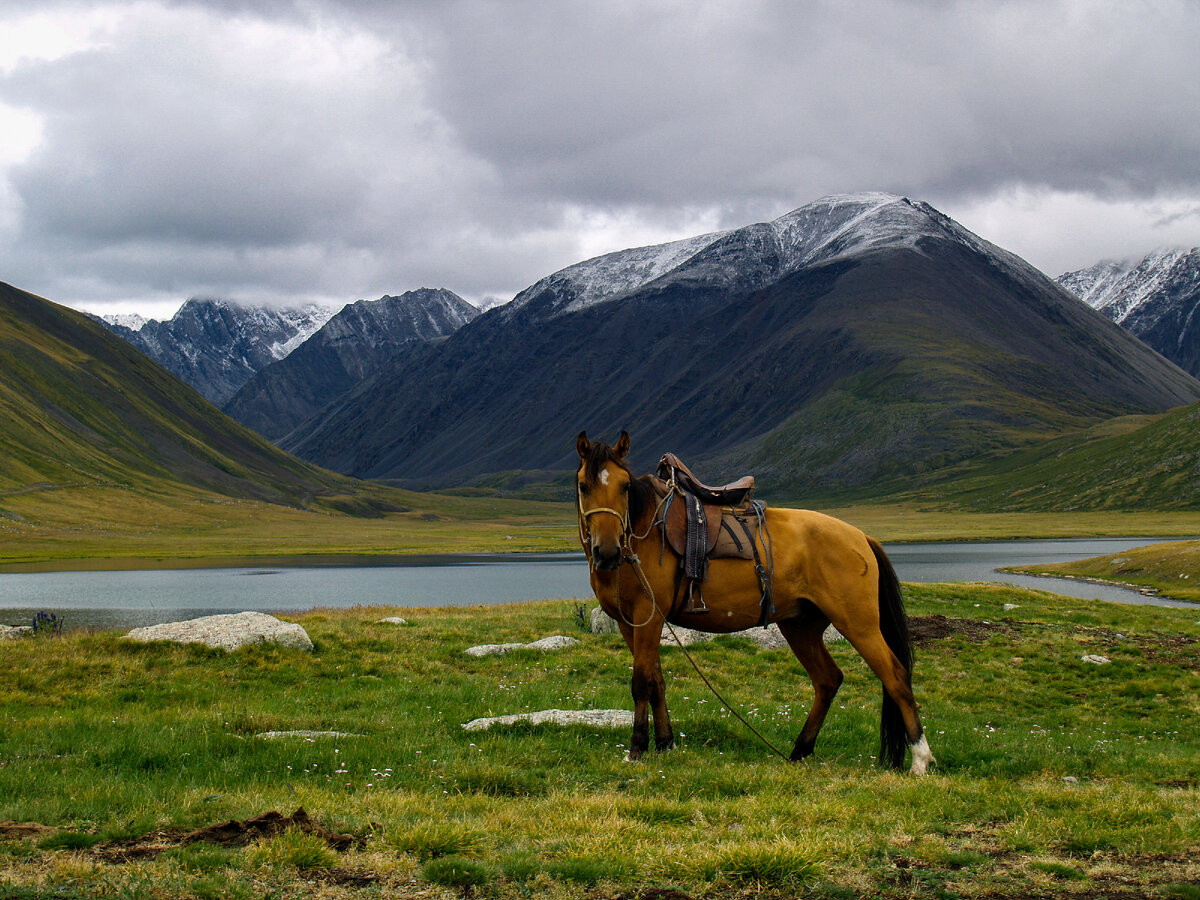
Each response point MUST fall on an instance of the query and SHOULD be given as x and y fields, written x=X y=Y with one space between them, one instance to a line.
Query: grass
x=124 y=747
x=1172 y=568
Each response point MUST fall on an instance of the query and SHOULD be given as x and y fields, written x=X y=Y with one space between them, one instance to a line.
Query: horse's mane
x=641 y=494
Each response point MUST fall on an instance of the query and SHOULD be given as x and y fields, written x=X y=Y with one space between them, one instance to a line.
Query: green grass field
x=1056 y=777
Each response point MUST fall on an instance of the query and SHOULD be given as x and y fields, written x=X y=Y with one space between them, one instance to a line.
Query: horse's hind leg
x=806 y=638
x=898 y=685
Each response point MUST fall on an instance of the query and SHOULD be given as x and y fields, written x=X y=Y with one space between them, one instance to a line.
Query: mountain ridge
x=347 y=348
x=1155 y=298
x=216 y=345
x=715 y=354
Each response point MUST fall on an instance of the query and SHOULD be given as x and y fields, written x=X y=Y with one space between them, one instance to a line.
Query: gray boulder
x=11 y=632
x=596 y=718
x=228 y=632
x=553 y=642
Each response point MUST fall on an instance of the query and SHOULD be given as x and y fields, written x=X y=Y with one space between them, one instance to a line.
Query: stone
x=553 y=642
x=1009 y=607
x=11 y=632
x=1070 y=779
x=594 y=718
x=228 y=632
x=603 y=623
x=306 y=735
x=1096 y=660
x=392 y=620
x=686 y=637
x=769 y=638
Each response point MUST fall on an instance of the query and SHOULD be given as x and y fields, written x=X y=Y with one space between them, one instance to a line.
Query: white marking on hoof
x=922 y=757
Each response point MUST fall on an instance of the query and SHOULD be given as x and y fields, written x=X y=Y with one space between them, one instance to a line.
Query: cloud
x=324 y=149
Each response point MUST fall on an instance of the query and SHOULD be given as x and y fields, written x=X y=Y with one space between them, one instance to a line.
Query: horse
x=825 y=571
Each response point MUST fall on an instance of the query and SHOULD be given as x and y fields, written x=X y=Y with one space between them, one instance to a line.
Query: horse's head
x=603 y=487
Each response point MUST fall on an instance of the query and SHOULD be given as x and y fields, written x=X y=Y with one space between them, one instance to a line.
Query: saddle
x=701 y=522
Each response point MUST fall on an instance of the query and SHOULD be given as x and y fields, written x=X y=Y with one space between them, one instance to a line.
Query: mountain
x=82 y=408
x=345 y=350
x=1156 y=299
x=216 y=345
x=860 y=338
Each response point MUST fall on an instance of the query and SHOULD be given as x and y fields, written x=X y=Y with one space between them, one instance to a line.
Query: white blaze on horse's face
x=604 y=505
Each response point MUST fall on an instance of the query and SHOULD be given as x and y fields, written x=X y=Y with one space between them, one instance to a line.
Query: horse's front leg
x=648 y=689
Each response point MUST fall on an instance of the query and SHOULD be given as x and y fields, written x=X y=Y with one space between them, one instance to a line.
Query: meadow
x=1055 y=776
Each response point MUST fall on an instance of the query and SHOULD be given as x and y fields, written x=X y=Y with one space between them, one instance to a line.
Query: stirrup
x=693 y=607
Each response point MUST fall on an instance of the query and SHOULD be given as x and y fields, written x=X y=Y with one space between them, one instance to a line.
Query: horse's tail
x=893 y=623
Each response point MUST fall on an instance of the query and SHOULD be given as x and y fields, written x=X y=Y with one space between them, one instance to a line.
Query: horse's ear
x=622 y=445
x=583 y=445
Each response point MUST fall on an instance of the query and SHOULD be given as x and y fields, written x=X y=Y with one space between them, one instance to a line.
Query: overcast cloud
x=288 y=151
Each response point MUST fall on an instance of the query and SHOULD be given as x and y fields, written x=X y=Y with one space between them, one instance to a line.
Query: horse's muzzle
x=604 y=562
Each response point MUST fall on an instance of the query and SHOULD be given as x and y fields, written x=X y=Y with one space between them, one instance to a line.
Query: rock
x=603 y=623
x=553 y=642
x=686 y=637
x=1009 y=607
x=594 y=718
x=769 y=638
x=228 y=632
x=1096 y=660
x=306 y=735
x=392 y=620
x=1070 y=779
x=11 y=632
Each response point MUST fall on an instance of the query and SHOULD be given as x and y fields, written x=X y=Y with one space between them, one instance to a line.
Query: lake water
x=125 y=599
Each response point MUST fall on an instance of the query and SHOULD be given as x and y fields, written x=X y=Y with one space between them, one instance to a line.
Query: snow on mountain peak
x=827 y=229
x=1119 y=288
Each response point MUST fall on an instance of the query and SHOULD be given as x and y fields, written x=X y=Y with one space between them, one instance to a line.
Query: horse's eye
x=625 y=487
x=583 y=488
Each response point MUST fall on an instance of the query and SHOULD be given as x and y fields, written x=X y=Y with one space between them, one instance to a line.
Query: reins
x=630 y=557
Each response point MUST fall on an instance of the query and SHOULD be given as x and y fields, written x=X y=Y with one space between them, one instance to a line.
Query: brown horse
x=825 y=571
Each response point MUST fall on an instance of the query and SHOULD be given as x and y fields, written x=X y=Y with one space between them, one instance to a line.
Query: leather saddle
x=701 y=522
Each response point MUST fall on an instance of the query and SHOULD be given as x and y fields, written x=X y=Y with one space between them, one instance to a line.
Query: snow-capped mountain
x=860 y=337
x=217 y=345
x=1156 y=299
x=132 y=321
x=349 y=347
x=832 y=228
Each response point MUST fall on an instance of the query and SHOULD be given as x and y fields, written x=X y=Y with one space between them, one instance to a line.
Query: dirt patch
x=924 y=629
x=16 y=830
x=235 y=833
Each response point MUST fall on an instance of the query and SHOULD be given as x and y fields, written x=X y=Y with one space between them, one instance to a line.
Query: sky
x=288 y=151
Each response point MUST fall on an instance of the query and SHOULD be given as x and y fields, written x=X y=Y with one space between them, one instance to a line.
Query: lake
x=123 y=599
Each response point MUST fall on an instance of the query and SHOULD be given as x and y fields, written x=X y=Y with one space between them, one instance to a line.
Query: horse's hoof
x=668 y=744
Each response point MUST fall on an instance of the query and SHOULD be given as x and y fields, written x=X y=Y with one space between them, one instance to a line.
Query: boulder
x=228 y=632
x=10 y=632
x=595 y=718
x=768 y=638
x=392 y=620
x=553 y=642
x=603 y=623
x=1096 y=660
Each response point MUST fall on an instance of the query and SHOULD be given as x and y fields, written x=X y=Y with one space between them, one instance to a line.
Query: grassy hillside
x=104 y=453
x=1132 y=463
x=80 y=406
